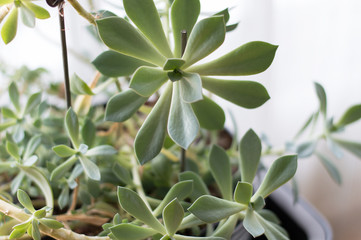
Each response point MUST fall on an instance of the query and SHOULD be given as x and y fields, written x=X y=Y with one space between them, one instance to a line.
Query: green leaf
x=224 y=13
x=119 y=35
x=32 y=103
x=172 y=216
x=13 y=150
x=18 y=233
x=246 y=94
x=243 y=193
x=331 y=168
x=32 y=145
x=41 y=213
x=209 y=114
x=199 y=187
x=8 y=113
x=63 y=198
x=123 y=105
x=321 y=94
x=226 y=230
x=39 y=12
x=250 y=58
x=63 y=168
x=88 y=132
x=134 y=205
x=220 y=167
x=306 y=149
x=353 y=147
x=147 y=80
x=114 y=64
x=231 y=27
x=90 y=168
x=150 y=137
x=282 y=170
x=7 y=124
x=25 y=200
x=35 y=233
x=72 y=127
x=22 y=226
x=250 y=151
x=183 y=125
x=211 y=209
x=311 y=119
x=272 y=230
x=27 y=16
x=184 y=14
x=190 y=87
x=16 y=182
x=30 y=161
x=8 y=32
x=51 y=223
x=14 y=96
x=183 y=237
x=64 y=151
x=127 y=231
x=78 y=86
x=173 y=63
x=252 y=225
x=101 y=150
x=144 y=15
x=351 y=115
x=122 y=174
x=258 y=204
x=205 y=38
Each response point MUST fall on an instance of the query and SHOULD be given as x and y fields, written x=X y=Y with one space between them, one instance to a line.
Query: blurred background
x=319 y=41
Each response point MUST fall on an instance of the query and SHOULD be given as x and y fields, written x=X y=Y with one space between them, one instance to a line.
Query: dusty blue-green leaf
x=51 y=223
x=101 y=150
x=25 y=200
x=18 y=134
x=306 y=125
x=90 y=168
x=173 y=63
x=72 y=127
x=63 y=198
x=123 y=105
x=353 y=147
x=14 y=96
x=114 y=64
x=335 y=149
x=243 y=192
x=226 y=230
x=9 y=29
x=190 y=87
x=351 y=115
x=269 y=216
x=183 y=125
x=13 y=150
x=281 y=170
x=321 y=94
x=258 y=203
x=30 y=161
x=119 y=35
x=330 y=167
x=83 y=148
x=144 y=15
x=205 y=38
x=41 y=213
x=250 y=154
x=32 y=103
x=16 y=182
x=180 y=190
x=8 y=113
x=88 y=133
x=199 y=187
x=250 y=58
x=306 y=149
x=39 y=12
x=35 y=232
x=172 y=216
x=122 y=174
x=63 y=168
x=211 y=209
x=127 y=231
x=150 y=137
x=246 y=94
x=252 y=225
x=220 y=167
x=64 y=151
x=27 y=16
x=79 y=87
x=209 y=114
x=32 y=145
x=147 y=80
x=134 y=205
x=272 y=230
x=184 y=14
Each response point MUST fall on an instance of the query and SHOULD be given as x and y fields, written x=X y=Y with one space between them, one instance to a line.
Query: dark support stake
x=183 y=151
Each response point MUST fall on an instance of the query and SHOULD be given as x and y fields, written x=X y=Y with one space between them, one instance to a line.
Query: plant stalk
x=183 y=151
x=137 y=181
x=82 y=12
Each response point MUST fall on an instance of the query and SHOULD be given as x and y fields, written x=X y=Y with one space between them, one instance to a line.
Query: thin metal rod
x=183 y=151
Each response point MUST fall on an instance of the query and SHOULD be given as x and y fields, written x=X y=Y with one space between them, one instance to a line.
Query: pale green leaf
x=63 y=198
x=8 y=113
x=32 y=103
x=306 y=149
x=78 y=86
x=8 y=31
x=51 y=223
x=18 y=233
x=250 y=155
x=353 y=147
x=14 y=96
x=183 y=237
x=243 y=193
x=184 y=14
x=127 y=231
x=321 y=94
x=199 y=187
x=35 y=232
x=351 y=115
x=41 y=213
x=144 y=15
x=209 y=114
x=64 y=151
x=331 y=168
x=226 y=230
x=150 y=137
x=16 y=182
x=90 y=168
x=30 y=161
x=122 y=174
x=190 y=87
x=246 y=94
x=258 y=204
x=272 y=230
x=147 y=80
x=39 y=12
x=27 y=16
x=88 y=132
x=72 y=127
x=173 y=63
x=102 y=150
x=123 y=105
x=25 y=200
x=252 y=225
x=32 y=145
x=119 y=35
x=63 y=168
x=13 y=150
x=250 y=58
x=172 y=216
x=205 y=38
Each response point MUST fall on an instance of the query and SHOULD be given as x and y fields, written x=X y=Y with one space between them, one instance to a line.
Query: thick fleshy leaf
x=16 y=182
x=41 y=213
x=8 y=31
x=183 y=125
x=30 y=161
x=127 y=231
x=72 y=127
x=13 y=150
x=119 y=35
x=14 y=96
x=226 y=230
x=351 y=115
x=64 y=151
x=134 y=205
x=102 y=150
x=88 y=133
x=122 y=174
x=220 y=167
x=199 y=187
x=63 y=168
x=32 y=145
x=172 y=216
x=39 y=12
x=211 y=209
x=243 y=193
x=258 y=204
x=272 y=230
x=246 y=94
x=144 y=15
x=27 y=16
x=282 y=170
x=123 y=105
x=147 y=80
x=7 y=124
x=35 y=232
x=209 y=114
x=190 y=87
x=51 y=223
x=205 y=38
x=250 y=152
x=173 y=63
x=114 y=64
x=250 y=58
x=8 y=113
x=90 y=168
x=78 y=86
x=321 y=94
x=331 y=168
x=150 y=137
x=353 y=147
x=25 y=200
x=18 y=233
x=32 y=103
x=252 y=225
x=184 y=14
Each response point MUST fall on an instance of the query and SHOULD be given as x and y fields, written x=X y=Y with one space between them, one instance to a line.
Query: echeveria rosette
x=145 y=53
